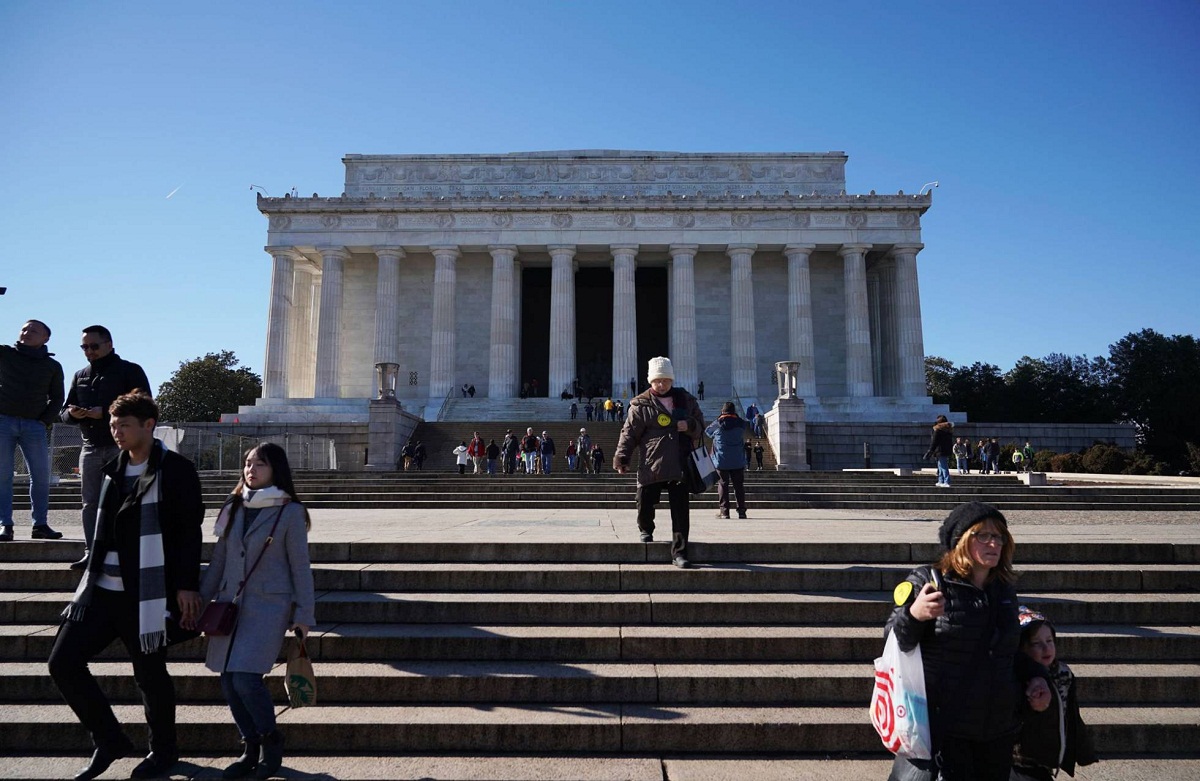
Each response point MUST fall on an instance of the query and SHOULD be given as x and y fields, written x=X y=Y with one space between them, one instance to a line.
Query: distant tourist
x=587 y=410
x=597 y=458
x=993 y=454
x=419 y=455
x=509 y=448
x=574 y=410
x=407 y=453
x=493 y=455
x=571 y=455
x=478 y=452
x=981 y=451
x=546 y=448
x=471 y=391
x=758 y=453
x=728 y=433
x=261 y=559
x=93 y=389
x=530 y=447
x=460 y=455
x=941 y=447
x=1027 y=452
x=700 y=390
x=583 y=446
x=464 y=390
x=31 y=395
x=663 y=423
x=960 y=455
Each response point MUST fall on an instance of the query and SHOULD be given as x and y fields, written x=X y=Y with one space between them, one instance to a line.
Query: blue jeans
x=250 y=703
x=545 y=465
x=943 y=469
x=30 y=436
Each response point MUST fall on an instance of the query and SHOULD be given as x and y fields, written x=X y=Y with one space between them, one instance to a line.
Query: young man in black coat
x=141 y=585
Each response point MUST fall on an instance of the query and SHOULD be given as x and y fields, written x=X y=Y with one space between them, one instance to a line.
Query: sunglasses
x=92 y=346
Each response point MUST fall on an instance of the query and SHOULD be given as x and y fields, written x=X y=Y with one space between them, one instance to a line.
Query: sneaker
x=647 y=537
x=44 y=532
x=741 y=515
x=681 y=562
x=723 y=514
x=6 y=534
x=943 y=485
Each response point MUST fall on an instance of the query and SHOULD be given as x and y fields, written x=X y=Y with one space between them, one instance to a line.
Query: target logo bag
x=899 y=710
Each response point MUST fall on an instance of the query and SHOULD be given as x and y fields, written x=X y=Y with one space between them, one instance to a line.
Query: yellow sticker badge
x=664 y=419
x=902 y=593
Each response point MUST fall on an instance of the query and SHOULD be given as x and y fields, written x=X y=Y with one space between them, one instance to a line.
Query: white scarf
x=254 y=498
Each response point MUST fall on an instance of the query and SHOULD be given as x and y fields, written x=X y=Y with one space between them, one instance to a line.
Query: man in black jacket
x=31 y=391
x=141 y=585
x=93 y=388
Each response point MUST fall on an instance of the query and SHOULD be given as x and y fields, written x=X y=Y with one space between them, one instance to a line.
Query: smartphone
x=935 y=579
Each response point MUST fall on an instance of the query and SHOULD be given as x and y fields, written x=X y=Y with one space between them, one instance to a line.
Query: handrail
x=442 y=407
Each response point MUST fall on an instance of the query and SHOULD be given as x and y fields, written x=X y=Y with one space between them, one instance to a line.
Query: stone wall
x=840 y=446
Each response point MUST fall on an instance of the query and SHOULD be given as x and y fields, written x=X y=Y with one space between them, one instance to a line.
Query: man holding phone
x=93 y=389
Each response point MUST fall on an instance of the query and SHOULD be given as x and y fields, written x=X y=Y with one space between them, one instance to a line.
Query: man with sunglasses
x=31 y=391
x=93 y=389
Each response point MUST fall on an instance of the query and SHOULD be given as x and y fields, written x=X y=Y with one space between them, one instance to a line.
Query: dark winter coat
x=98 y=385
x=31 y=383
x=1040 y=743
x=180 y=513
x=728 y=433
x=974 y=675
x=941 y=442
x=662 y=448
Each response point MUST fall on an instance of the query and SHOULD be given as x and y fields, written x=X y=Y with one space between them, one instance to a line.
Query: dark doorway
x=593 y=329
x=535 y=328
x=653 y=336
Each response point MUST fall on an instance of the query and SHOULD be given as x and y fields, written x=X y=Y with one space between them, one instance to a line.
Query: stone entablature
x=594 y=172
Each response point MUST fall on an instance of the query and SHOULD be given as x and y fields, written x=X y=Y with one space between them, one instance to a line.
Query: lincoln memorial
x=499 y=270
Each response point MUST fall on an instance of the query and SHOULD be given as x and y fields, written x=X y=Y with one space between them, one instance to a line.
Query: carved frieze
x=908 y=220
x=856 y=220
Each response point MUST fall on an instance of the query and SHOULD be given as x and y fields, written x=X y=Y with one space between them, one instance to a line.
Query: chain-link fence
x=210 y=451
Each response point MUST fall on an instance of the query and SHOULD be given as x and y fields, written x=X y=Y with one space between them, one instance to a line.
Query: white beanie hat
x=660 y=369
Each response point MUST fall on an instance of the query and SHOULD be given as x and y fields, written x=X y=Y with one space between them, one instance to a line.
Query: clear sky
x=1064 y=136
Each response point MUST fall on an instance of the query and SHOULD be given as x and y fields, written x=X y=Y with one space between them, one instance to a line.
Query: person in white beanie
x=663 y=422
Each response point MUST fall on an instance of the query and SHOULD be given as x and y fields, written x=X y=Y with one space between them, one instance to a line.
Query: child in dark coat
x=1056 y=737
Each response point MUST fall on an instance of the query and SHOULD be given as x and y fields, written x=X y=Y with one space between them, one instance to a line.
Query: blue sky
x=1064 y=136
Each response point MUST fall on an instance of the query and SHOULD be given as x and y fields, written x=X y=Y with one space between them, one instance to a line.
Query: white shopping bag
x=899 y=710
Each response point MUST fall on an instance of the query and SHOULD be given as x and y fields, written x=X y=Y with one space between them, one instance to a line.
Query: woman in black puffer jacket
x=962 y=611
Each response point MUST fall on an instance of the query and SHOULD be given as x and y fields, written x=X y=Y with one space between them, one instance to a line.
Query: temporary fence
x=209 y=450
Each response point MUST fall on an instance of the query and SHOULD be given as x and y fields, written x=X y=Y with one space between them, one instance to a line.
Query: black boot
x=271 y=758
x=247 y=762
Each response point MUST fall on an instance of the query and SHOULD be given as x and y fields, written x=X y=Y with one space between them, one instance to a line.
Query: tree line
x=1147 y=379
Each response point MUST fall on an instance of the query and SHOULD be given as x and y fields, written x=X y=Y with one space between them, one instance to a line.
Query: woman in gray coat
x=278 y=596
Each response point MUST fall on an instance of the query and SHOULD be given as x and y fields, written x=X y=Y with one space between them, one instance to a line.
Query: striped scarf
x=152 y=588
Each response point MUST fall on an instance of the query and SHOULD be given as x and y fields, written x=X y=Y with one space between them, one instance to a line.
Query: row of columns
x=291 y=306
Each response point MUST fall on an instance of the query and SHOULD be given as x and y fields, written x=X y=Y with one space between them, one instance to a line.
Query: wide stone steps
x=593 y=682
x=593 y=649
x=588 y=728
x=714 y=578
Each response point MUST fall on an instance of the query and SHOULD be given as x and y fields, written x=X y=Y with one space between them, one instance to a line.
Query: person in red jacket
x=477 y=451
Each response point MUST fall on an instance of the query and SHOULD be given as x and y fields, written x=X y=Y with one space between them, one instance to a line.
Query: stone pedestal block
x=388 y=427
x=788 y=435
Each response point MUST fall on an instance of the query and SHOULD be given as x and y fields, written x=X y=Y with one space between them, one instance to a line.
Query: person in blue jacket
x=728 y=433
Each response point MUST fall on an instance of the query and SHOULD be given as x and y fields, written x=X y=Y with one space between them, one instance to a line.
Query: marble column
x=800 y=323
x=562 y=319
x=910 y=358
x=441 y=363
x=302 y=336
x=624 y=348
x=275 y=366
x=741 y=319
x=859 y=375
x=502 y=365
x=329 y=329
x=387 y=305
x=683 y=315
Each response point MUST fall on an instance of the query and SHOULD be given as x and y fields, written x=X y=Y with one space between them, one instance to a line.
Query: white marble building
x=498 y=269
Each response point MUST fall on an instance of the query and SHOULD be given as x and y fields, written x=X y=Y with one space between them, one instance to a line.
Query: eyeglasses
x=987 y=538
x=91 y=346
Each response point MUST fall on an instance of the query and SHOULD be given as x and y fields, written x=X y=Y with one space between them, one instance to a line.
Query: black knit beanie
x=964 y=517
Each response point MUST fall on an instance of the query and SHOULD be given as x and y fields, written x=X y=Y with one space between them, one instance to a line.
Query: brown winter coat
x=661 y=448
